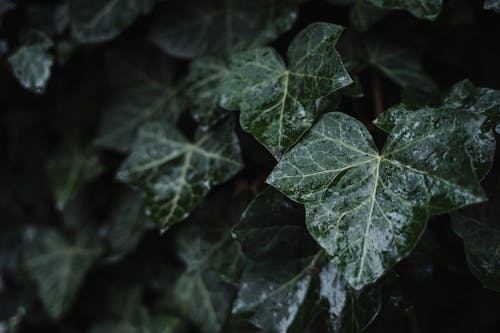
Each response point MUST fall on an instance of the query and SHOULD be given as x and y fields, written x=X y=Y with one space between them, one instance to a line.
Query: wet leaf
x=97 y=21
x=190 y=28
x=32 y=63
x=176 y=174
x=424 y=9
x=58 y=266
x=144 y=91
x=278 y=102
x=368 y=209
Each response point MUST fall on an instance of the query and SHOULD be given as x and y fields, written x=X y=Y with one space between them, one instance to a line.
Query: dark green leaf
x=204 y=90
x=96 y=21
x=363 y=15
x=191 y=28
x=31 y=63
x=145 y=91
x=424 y=9
x=399 y=64
x=58 y=266
x=366 y=209
x=278 y=104
x=273 y=226
x=70 y=170
x=176 y=174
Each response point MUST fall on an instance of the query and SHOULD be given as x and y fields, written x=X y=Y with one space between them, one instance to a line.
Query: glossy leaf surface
x=97 y=21
x=368 y=210
x=425 y=9
x=278 y=102
x=58 y=266
x=188 y=29
x=32 y=63
x=176 y=174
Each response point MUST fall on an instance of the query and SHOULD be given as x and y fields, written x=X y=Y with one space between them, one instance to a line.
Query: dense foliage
x=249 y=166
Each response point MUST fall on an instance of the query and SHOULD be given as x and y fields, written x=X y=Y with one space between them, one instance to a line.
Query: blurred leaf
x=278 y=102
x=58 y=266
x=31 y=63
x=190 y=28
x=176 y=174
x=97 y=21
x=424 y=9
x=492 y=4
x=363 y=15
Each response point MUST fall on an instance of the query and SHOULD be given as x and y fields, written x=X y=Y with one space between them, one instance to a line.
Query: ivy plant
x=268 y=166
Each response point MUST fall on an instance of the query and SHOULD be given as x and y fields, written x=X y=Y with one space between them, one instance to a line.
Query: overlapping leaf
x=278 y=102
x=462 y=97
x=283 y=291
x=188 y=29
x=144 y=91
x=176 y=174
x=58 y=266
x=425 y=9
x=368 y=209
x=96 y=21
x=31 y=62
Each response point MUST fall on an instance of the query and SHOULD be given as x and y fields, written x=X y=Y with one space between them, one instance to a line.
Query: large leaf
x=283 y=291
x=144 y=91
x=492 y=4
x=31 y=62
x=425 y=9
x=463 y=96
x=479 y=228
x=368 y=210
x=176 y=174
x=96 y=21
x=204 y=89
x=58 y=266
x=278 y=102
x=190 y=28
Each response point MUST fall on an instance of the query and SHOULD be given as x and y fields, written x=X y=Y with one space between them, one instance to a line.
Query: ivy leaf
x=58 y=266
x=424 y=9
x=273 y=226
x=463 y=96
x=368 y=210
x=176 y=174
x=364 y=15
x=32 y=63
x=204 y=89
x=492 y=4
x=144 y=91
x=278 y=104
x=191 y=28
x=283 y=291
x=98 y=21
x=70 y=170
x=399 y=64
x=479 y=228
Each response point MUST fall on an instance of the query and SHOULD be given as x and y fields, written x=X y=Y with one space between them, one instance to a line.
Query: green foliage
x=227 y=166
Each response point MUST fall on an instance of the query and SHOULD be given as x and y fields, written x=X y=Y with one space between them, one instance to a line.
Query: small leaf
x=424 y=9
x=176 y=174
x=31 y=63
x=492 y=4
x=368 y=210
x=144 y=91
x=97 y=21
x=190 y=28
x=399 y=64
x=204 y=90
x=58 y=266
x=278 y=104
x=70 y=170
